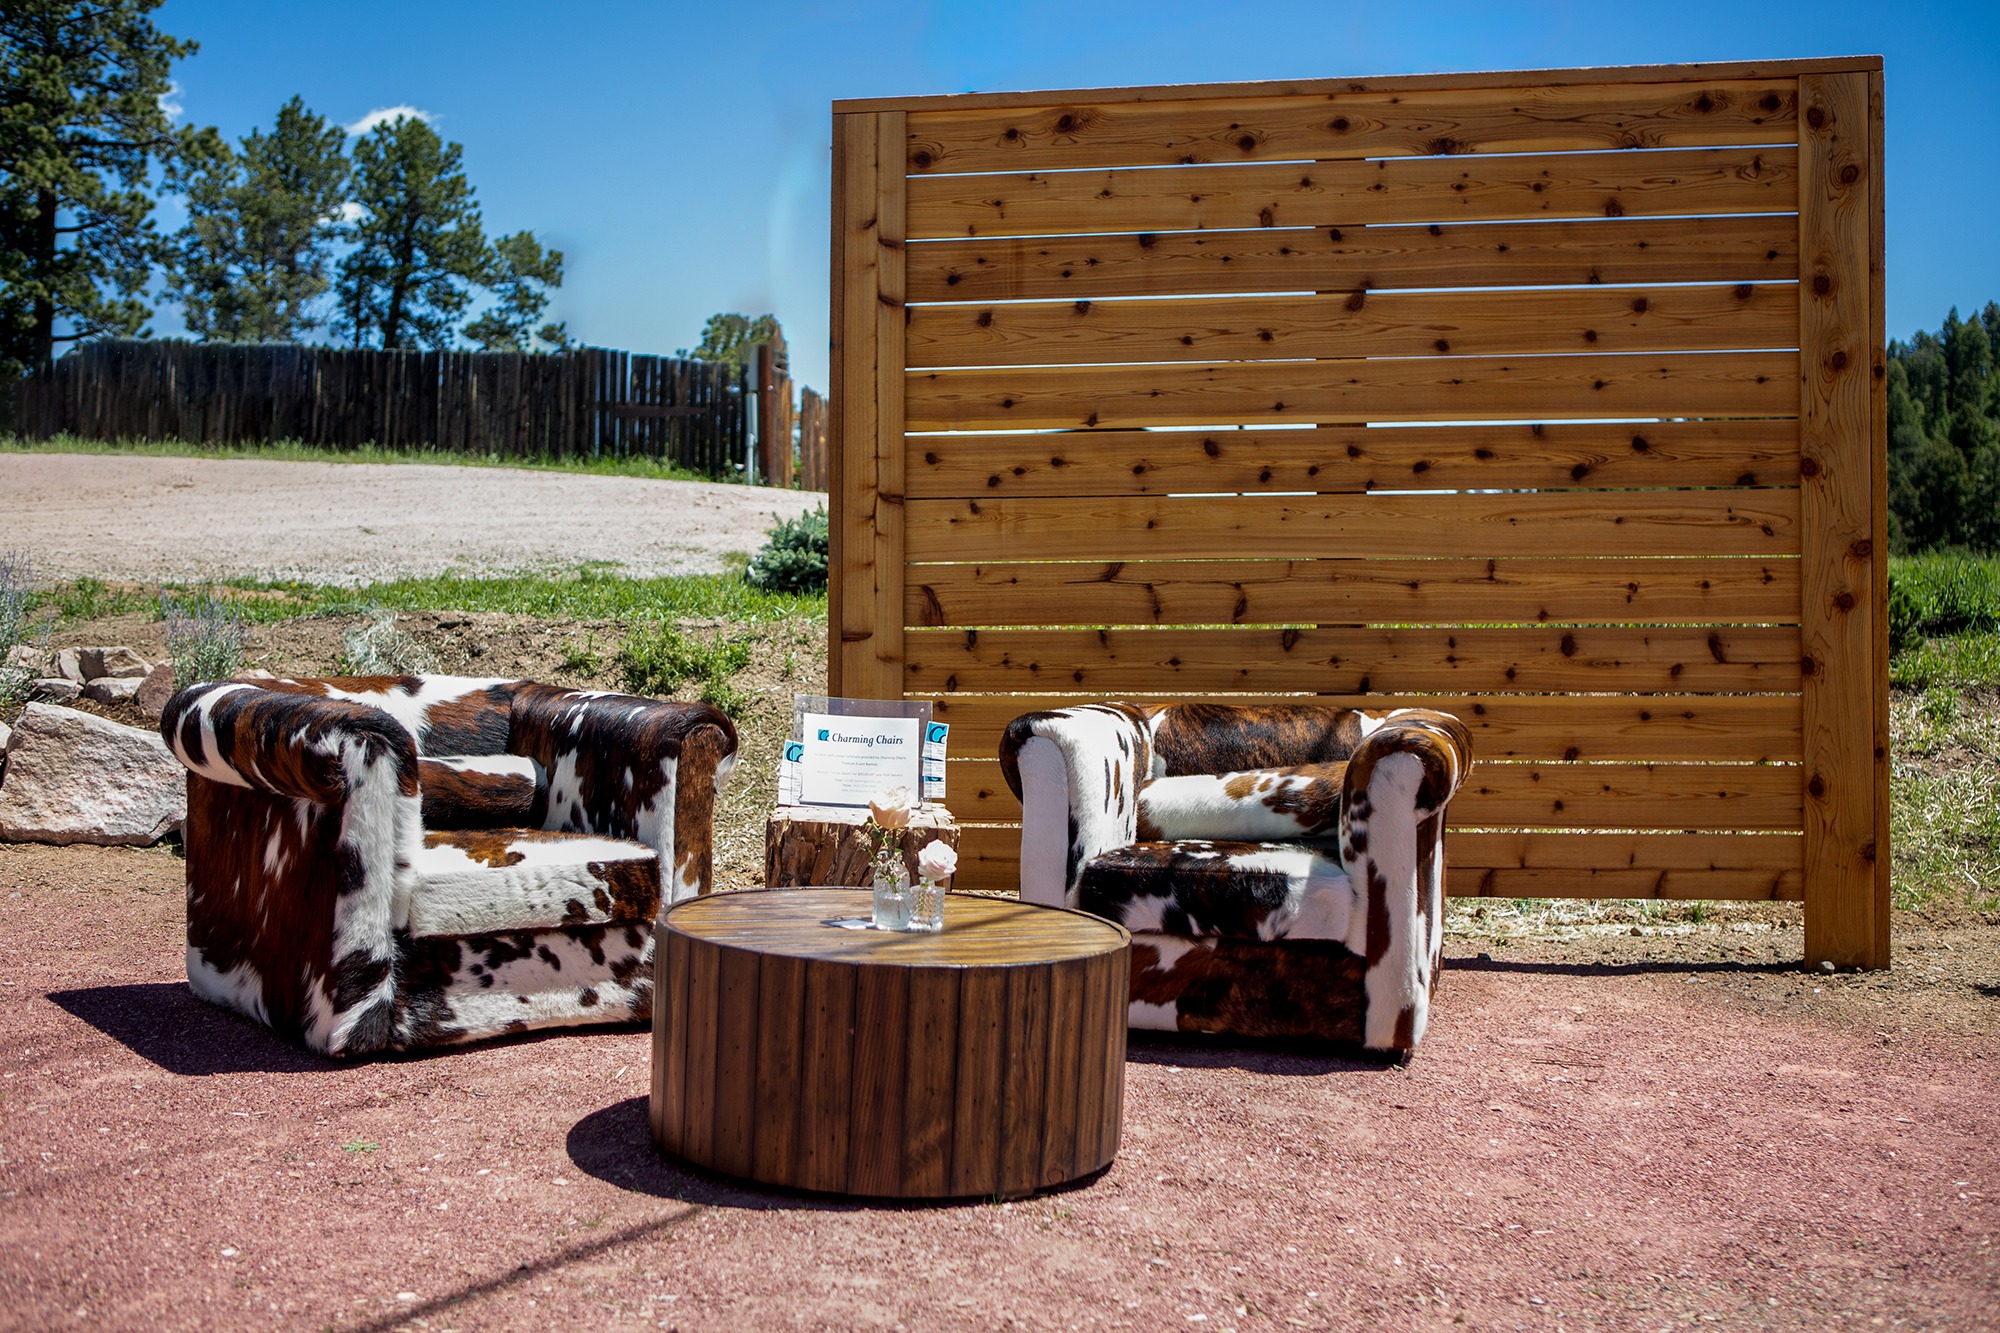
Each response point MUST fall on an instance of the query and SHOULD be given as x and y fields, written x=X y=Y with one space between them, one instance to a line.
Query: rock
x=35 y=661
x=69 y=664
x=112 y=689
x=72 y=777
x=155 y=690
x=97 y=663
x=54 y=689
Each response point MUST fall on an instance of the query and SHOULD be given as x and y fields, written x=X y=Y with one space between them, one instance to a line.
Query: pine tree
x=419 y=243
x=520 y=274
x=80 y=125
x=728 y=338
x=253 y=259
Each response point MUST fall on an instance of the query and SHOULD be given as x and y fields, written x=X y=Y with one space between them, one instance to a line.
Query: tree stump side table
x=827 y=845
x=986 y=1060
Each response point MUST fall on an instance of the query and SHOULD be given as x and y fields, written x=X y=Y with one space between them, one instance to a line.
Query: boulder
x=72 y=777
x=35 y=661
x=97 y=663
x=69 y=664
x=155 y=690
x=54 y=689
x=112 y=689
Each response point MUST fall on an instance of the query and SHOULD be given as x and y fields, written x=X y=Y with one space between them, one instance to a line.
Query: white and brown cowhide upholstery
x=384 y=863
x=1251 y=850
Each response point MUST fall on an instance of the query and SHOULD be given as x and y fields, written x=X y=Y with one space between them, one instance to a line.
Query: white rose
x=891 y=810
x=936 y=861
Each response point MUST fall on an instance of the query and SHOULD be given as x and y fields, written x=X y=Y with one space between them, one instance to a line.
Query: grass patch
x=90 y=599
x=588 y=593
x=660 y=659
x=295 y=451
x=1944 y=797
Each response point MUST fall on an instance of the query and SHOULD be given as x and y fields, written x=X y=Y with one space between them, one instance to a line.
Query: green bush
x=660 y=659
x=205 y=638
x=794 y=559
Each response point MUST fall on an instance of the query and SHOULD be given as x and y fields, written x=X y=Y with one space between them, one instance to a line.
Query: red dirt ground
x=1649 y=1142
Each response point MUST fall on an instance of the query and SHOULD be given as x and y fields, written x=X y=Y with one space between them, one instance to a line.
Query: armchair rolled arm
x=304 y=820
x=626 y=767
x=1398 y=782
x=287 y=744
x=1077 y=772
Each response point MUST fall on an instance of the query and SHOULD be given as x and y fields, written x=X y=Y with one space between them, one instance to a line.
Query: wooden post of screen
x=1842 y=448
x=865 y=529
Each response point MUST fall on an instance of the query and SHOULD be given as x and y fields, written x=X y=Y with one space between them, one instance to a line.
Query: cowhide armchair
x=387 y=863
x=1280 y=867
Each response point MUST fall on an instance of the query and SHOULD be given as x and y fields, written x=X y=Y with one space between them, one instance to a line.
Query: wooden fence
x=588 y=403
x=1551 y=399
x=815 y=464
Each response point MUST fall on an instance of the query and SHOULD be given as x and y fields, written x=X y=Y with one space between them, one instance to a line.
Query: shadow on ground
x=163 y=1022
x=1642 y=967
x=616 y=1146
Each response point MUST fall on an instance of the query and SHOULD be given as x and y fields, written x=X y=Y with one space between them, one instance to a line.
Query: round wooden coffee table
x=988 y=1059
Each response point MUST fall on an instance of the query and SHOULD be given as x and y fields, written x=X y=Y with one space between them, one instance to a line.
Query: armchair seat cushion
x=471 y=881
x=1237 y=890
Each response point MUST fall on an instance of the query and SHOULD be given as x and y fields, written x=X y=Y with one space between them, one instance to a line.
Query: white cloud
x=170 y=100
x=382 y=115
x=350 y=212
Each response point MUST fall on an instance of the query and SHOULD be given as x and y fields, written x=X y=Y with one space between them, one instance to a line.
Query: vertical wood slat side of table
x=995 y=1074
x=781 y=1049
x=982 y=1073
x=829 y=1066
x=933 y=1018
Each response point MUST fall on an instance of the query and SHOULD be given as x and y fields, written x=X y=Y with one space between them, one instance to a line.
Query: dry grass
x=1944 y=813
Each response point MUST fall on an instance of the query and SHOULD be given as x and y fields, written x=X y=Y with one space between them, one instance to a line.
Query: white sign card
x=849 y=760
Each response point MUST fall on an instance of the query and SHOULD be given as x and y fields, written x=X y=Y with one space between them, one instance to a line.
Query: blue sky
x=678 y=153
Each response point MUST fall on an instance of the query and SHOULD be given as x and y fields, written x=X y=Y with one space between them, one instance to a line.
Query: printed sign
x=848 y=760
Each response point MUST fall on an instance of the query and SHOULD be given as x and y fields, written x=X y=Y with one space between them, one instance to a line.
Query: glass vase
x=892 y=895
x=927 y=906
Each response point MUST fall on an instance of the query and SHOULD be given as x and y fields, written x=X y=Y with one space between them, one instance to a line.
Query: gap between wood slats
x=1354 y=661
x=1079 y=134
x=1750 y=248
x=1708 y=591
x=1759 y=523
x=1334 y=459
x=1752 y=728
x=989 y=860
x=1703 y=181
x=1473 y=388
x=1611 y=796
x=1500 y=323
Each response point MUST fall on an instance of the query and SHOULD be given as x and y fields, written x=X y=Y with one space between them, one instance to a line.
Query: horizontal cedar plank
x=1631 y=796
x=1752 y=248
x=1709 y=591
x=1512 y=78
x=1334 y=459
x=1353 y=661
x=989 y=858
x=1507 y=793
x=1074 y=135
x=1675 y=885
x=1703 y=181
x=1472 y=388
x=1649 y=852
x=1497 y=323
x=1722 y=728
x=1761 y=523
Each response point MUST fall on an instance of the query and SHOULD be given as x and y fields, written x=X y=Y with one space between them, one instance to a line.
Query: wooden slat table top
x=978 y=931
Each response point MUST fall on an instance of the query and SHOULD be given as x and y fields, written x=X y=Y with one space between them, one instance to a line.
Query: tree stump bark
x=817 y=845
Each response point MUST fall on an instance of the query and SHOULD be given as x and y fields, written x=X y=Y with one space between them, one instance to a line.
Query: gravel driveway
x=151 y=520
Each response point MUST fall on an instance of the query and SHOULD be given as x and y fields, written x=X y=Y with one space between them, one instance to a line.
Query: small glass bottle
x=892 y=891
x=927 y=906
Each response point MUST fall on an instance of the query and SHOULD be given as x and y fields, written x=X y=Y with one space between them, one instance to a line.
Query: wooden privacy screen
x=1553 y=400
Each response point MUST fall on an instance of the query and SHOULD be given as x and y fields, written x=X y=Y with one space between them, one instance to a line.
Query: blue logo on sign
x=795 y=751
x=823 y=733
x=937 y=733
